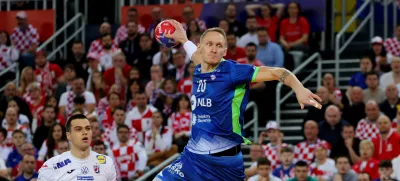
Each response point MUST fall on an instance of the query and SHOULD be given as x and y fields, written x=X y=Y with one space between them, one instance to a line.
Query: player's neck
x=80 y=154
x=206 y=68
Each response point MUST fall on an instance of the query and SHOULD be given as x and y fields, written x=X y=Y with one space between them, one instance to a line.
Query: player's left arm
x=304 y=96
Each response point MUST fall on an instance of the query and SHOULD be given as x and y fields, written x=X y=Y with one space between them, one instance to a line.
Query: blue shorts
x=197 y=167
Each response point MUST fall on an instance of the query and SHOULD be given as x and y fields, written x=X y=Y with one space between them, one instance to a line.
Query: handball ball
x=162 y=28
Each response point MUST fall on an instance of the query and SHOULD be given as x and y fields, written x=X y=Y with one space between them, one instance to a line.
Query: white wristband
x=190 y=48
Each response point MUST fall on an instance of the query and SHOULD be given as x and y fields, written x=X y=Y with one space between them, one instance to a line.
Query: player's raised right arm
x=180 y=36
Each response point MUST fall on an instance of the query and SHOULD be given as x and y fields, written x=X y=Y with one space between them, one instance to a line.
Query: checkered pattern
x=130 y=105
x=122 y=33
x=35 y=109
x=96 y=46
x=325 y=170
x=70 y=103
x=158 y=143
x=127 y=158
x=47 y=76
x=392 y=46
x=23 y=40
x=140 y=121
x=185 y=86
x=200 y=23
x=8 y=56
x=305 y=151
x=110 y=134
x=272 y=153
x=181 y=122
x=24 y=129
x=366 y=130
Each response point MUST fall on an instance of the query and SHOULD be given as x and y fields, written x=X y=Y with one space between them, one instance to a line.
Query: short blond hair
x=368 y=143
x=216 y=29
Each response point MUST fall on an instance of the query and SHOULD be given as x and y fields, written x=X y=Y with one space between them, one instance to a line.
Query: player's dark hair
x=4 y=132
x=262 y=28
x=286 y=149
x=385 y=164
x=51 y=142
x=251 y=44
x=73 y=117
x=372 y=73
x=18 y=131
x=263 y=161
x=121 y=126
x=301 y=164
x=79 y=100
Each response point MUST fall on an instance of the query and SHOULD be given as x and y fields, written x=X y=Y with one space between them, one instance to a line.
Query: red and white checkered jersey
x=129 y=158
x=24 y=39
x=338 y=94
x=130 y=105
x=325 y=170
x=161 y=142
x=122 y=33
x=97 y=46
x=105 y=58
x=8 y=56
x=185 y=86
x=140 y=121
x=24 y=129
x=67 y=99
x=110 y=134
x=48 y=75
x=366 y=130
x=200 y=23
x=37 y=109
x=181 y=122
x=392 y=46
x=272 y=153
x=305 y=150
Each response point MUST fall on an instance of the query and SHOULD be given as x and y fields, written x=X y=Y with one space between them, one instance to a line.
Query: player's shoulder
x=57 y=162
x=101 y=159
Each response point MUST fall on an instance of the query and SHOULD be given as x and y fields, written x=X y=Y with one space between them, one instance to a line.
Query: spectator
x=256 y=152
x=264 y=171
x=286 y=169
x=49 y=75
x=224 y=24
x=94 y=66
x=157 y=16
x=110 y=132
x=140 y=117
x=4 y=149
x=271 y=149
x=164 y=59
x=25 y=38
x=36 y=101
x=193 y=29
x=335 y=95
x=78 y=59
x=42 y=132
x=387 y=142
x=233 y=52
x=96 y=131
x=97 y=45
x=385 y=170
x=118 y=73
x=62 y=146
x=98 y=86
x=294 y=30
x=144 y=56
x=331 y=128
x=158 y=142
x=18 y=139
x=28 y=169
x=366 y=128
x=392 y=44
x=48 y=148
x=10 y=92
x=134 y=86
x=123 y=30
x=165 y=97
x=268 y=52
x=155 y=82
x=393 y=76
x=22 y=119
x=267 y=18
x=27 y=77
x=69 y=76
x=185 y=85
x=8 y=57
x=380 y=58
x=251 y=53
x=364 y=177
x=131 y=44
x=181 y=121
x=347 y=145
x=130 y=156
x=178 y=71
x=323 y=167
x=51 y=101
x=66 y=105
x=344 y=171
x=114 y=100
x=358 y=79
x=367 y=164
x=12 y=125
x=373 y=92
x=188 y=15
x=234 y=25
x=389 y=106
x=251 y=35
x=303 y=149
x=103 y=102
x=354 y=112
x=99 y=147
x=107 y=52
x=319 y=114
x=301 y=172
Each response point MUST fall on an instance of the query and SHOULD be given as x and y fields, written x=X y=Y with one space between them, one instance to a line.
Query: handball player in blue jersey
x=220 y=96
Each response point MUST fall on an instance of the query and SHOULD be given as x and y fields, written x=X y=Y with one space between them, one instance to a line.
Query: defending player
x=80 y=163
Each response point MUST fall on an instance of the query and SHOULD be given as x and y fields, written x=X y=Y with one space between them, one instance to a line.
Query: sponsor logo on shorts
x=101 y=159
x=61 y=164
x=176 y=169
x=85 y=178
x=84 y=170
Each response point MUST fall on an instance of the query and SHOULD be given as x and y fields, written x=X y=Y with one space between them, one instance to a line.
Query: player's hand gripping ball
x=162 y=28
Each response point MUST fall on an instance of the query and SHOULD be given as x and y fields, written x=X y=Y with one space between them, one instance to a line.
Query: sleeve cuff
x=190 y=48
x=256 y=69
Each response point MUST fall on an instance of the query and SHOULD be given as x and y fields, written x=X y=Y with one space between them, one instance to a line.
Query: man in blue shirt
x=358 y=79
x=28 y=169
x=268 y=52
x=220 y=95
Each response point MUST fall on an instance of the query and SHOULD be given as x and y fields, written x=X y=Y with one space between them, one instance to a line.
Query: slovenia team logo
x=193 y=102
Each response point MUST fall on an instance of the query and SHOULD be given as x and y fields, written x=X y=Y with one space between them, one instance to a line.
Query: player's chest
x=86 y=171
x=210 y=83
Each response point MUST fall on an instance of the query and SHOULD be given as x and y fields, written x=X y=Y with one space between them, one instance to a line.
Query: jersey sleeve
x=243 y=73
x=46 y=173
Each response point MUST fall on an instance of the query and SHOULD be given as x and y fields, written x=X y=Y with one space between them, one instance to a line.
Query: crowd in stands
x=136 y=95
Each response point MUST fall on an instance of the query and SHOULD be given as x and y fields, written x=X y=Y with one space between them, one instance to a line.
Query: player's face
x=263 y=170
x=213 y=48
x=286 y=158
x=301 y=173
x=80 y=134
x=343 y=165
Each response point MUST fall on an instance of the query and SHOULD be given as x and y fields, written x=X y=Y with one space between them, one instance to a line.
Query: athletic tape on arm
x=190 y=48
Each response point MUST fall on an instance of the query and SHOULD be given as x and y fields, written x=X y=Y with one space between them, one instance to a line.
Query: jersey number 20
x=202 y=86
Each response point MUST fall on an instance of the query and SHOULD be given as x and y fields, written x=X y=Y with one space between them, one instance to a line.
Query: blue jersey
x=284 y=174
x=218 y=102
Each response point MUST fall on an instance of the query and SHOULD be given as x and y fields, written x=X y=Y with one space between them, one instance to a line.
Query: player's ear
x=68 y=135
x=225 y=50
